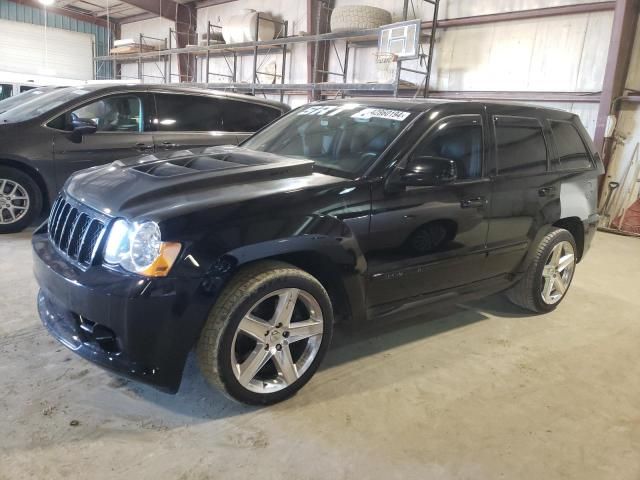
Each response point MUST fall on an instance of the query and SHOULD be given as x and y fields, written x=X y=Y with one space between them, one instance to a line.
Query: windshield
x=11 y=102
x=345 y=138
x=40 y=101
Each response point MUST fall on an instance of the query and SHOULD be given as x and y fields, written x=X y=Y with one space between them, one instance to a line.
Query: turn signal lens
x=169 y=251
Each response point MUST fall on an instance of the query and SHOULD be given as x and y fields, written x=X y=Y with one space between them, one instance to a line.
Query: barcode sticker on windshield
x=381 y=113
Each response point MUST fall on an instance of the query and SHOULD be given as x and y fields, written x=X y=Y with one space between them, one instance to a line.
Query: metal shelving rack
x=159 y=55
x=281 y=44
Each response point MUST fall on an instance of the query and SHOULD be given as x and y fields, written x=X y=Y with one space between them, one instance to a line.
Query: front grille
x=74 y=231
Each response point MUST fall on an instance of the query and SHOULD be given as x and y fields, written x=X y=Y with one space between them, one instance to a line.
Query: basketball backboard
x=401 y=39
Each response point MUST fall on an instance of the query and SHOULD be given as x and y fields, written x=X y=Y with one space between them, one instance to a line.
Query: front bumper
x=138 y=327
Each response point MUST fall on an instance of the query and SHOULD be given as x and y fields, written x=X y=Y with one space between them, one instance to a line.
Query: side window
x=120 y=113
x=570 y=148
x=239 y=116
x=187 y=113
x=6 y=90
x=520 y=146
x=26 y=88
x=459 y=139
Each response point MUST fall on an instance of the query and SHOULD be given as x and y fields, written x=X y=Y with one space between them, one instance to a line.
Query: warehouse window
x=520 y=146
x=458 y=139
x=188 y=113
x=570 y=148
x=246 y=117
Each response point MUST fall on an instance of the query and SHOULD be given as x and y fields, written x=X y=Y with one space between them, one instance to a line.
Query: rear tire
x=20 y=200
x=267 y=333
x=546 y=281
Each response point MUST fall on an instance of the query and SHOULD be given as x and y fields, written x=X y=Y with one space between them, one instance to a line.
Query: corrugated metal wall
x=26 y=14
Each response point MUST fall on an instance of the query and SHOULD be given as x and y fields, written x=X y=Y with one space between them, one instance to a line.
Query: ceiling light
x=47 y=2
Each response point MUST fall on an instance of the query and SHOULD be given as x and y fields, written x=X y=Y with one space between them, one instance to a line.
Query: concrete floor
x=483 y=391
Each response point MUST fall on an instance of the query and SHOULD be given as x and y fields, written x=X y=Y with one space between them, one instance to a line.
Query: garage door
x=22 y=50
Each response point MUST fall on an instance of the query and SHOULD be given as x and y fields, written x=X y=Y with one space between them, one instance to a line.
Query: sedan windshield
x=39 y=103
x=345 y=138
x=9 y=103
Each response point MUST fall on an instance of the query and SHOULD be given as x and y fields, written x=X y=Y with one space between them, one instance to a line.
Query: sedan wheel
x=14 y=201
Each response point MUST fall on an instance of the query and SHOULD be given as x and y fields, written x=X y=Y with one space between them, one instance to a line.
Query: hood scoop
x=200 y=163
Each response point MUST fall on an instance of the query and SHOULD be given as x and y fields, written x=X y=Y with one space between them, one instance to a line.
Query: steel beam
x=136 y=18
x=160 y=8
x=622 y=35
x=184 y=16
x=186 y=23
x=525 y=14
x=211 y=3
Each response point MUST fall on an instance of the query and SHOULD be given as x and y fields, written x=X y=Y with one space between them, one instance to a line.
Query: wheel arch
x=576 y=228
x=335 y=265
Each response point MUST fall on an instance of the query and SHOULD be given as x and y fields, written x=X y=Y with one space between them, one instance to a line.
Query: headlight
x=138 y=248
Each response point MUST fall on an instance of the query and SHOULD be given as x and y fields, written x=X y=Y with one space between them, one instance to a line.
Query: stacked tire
x=358 y=17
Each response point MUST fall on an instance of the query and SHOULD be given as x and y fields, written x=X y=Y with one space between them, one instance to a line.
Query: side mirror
x=428 y=171
x=82 y=127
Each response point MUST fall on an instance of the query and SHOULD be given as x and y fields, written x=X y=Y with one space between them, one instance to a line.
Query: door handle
x=546 y=191
x=476 y=202
x=143 y=147
x=168 y=145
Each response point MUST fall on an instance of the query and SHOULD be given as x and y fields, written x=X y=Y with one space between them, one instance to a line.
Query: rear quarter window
x=520 y=146
x=238 y=116
x=571 y=150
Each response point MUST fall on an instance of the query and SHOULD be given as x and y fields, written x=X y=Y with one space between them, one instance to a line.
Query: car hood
x=167 y=185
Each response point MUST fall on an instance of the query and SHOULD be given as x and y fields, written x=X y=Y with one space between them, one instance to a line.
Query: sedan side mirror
x=428 y=171
x=82 y=127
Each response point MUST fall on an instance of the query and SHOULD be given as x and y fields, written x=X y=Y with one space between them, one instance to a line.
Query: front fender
x=321 y=234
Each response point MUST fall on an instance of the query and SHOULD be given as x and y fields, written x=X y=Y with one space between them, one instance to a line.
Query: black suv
x=340 y=211
x=52 y=132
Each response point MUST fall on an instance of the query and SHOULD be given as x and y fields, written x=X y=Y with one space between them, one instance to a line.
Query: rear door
x=525 y=195
x=186 y=121
x=124 y=130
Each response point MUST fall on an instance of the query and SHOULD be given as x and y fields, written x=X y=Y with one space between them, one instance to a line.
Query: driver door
x=425 y=239
x=123 y=130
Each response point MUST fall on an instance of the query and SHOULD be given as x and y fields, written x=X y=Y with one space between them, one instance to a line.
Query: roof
x=118 y=86
x=425 y=104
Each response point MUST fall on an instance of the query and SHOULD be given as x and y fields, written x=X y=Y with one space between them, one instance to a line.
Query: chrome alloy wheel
x=14 y=201
x=277 y=340
x=557 y=272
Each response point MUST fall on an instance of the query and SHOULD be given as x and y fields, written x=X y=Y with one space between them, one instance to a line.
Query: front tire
x=267 y=334
x=548 y=276
x=20 y=200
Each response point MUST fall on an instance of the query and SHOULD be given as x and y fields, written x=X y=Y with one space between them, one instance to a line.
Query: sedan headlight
x=138 y=248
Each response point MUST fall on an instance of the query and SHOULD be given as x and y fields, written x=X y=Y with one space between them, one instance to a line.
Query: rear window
x=520 y=146
x=240 y=116
x=188 y=113
x=572 y=153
